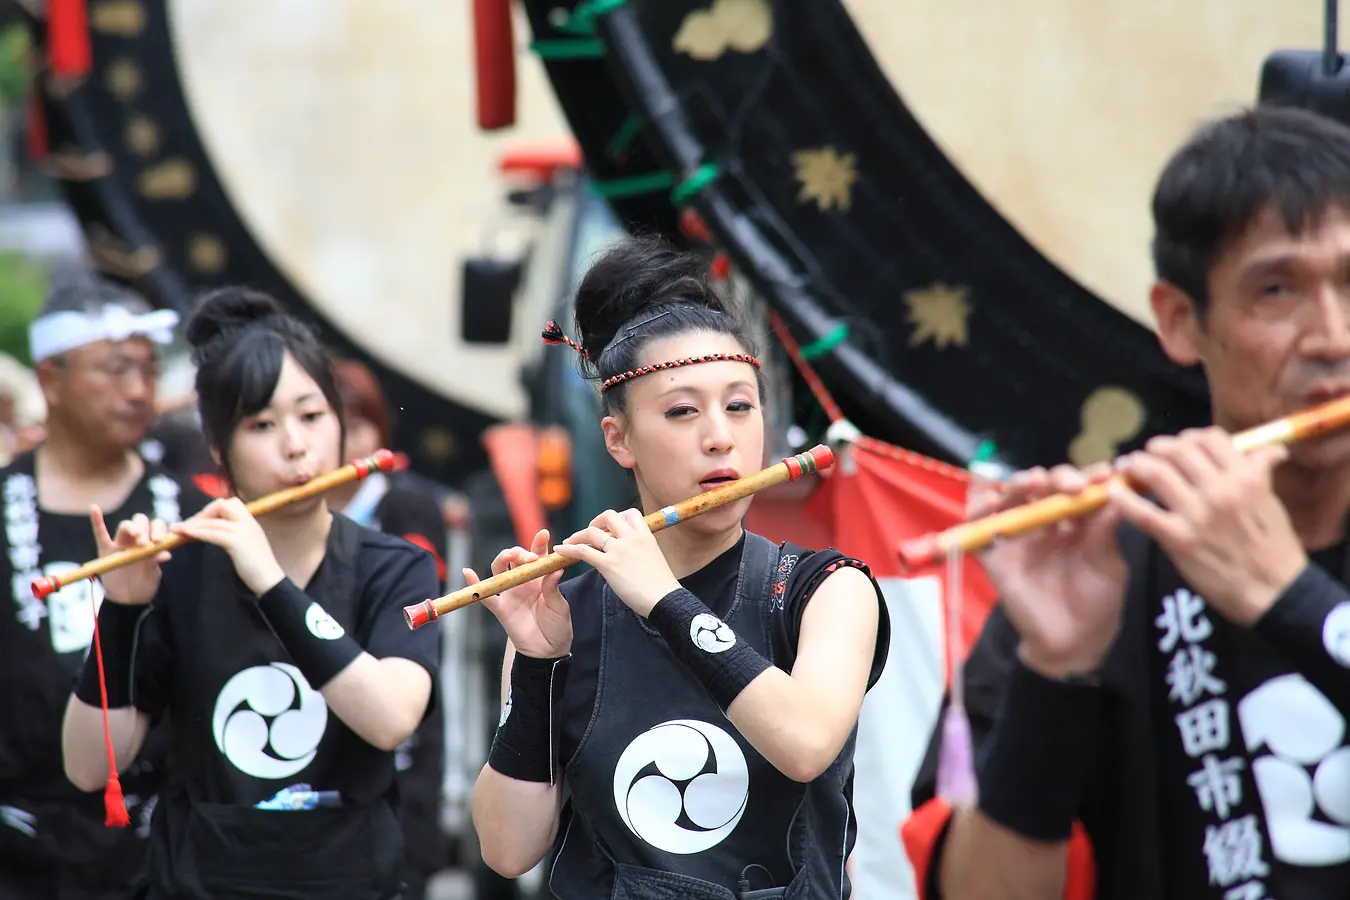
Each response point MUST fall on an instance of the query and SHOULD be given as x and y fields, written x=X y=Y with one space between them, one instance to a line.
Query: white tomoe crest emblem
x=268 y=721
x=682 y=786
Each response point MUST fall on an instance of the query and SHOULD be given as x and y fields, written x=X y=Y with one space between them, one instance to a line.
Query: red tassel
x=720 y=268
x=68 y=46
x=114 y=804
x=37 y=126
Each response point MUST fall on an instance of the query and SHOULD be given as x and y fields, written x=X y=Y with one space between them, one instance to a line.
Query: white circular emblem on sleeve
x=1336 y=634
x=710 y=634
x=321 y=624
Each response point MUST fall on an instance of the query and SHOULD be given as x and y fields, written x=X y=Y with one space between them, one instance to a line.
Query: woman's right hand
x=534 y=615
x=1062 y=586
x=135 y=584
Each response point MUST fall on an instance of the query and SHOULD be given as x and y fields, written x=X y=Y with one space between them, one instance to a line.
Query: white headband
x=62 y=331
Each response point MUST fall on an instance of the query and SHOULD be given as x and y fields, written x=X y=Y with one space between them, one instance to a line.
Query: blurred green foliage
x=14 y=78
x=23 y=281
x=23 y=287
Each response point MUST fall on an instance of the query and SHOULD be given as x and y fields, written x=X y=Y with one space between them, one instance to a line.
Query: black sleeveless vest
x=246 y=725
x=667 y=798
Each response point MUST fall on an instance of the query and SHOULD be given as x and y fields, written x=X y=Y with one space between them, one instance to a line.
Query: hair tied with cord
x=553 y=334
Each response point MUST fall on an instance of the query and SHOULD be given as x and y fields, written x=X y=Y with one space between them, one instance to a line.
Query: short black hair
x=644 y=289
x=1232 y=169
x=240 y=338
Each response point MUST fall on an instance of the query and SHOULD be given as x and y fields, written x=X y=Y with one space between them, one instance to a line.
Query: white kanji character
x=18 y=514
x=20 y=820
x=20 y=489
x=24 y=557
x=1182 y=618
x=1252 y=890
x=1191 y=674
x=163 y=486
x=146 y=815
x=22 y=532
x=1204 y=727
x=31 y=613
x=165 y=491
x=1233 y=850
x=1217 y=786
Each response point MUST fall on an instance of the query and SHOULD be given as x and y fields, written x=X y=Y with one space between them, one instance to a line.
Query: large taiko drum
x=961 y=189
x=324 y=149
x=1061 y=114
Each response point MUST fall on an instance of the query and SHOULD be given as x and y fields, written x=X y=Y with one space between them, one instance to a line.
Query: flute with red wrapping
x=920 y=552
x=379 y=461
x=817 y=459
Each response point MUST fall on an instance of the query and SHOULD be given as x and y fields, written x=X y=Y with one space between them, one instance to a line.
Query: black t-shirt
x=43 y=643
x=47 y=826
x=1253 y=731
x=390 y=574
x=249 y=730
x=1163 y=822
x=715 y=585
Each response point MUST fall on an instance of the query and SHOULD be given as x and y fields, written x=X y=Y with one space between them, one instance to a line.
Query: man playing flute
x=96 y=349
x=1159 y=700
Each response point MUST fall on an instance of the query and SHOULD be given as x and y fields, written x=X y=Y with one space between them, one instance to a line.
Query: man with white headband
x=94 y=347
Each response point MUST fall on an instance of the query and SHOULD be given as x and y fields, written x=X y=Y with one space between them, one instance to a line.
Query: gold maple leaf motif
x=142 y=136
x=938 y=312
x=207 y=253
x=826 y=177
x=741 y=25
x=124 y=79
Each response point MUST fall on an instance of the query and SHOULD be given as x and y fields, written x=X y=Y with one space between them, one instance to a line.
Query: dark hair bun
x=636 y=277
x=225 y=311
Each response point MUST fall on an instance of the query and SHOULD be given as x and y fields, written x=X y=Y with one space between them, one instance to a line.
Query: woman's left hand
x=624 y=551
x=229 y=525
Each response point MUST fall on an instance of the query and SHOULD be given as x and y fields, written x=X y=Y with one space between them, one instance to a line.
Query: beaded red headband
x=553 y=334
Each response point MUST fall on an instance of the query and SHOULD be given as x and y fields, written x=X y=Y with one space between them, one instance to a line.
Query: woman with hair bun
x=680 y=721
x=274 y=647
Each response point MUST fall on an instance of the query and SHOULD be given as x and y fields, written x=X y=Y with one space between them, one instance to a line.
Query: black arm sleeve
x=152 y=665
x=146 y=647
x=1310 y=622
